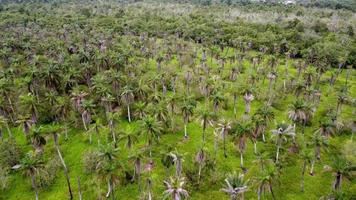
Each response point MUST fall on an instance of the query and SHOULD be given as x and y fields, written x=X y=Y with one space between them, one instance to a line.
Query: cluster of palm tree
x=130 y=88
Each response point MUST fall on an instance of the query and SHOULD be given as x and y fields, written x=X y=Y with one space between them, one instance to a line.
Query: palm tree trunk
x=255 y=147
x=277 y=154
x=338 y=180
x=185 y=130
x=270 y=188
x=259 y=192
x=109 y=190
x=34 y=186
x=79 y=189
x=112 y=189
x=235 y=108
x=302 y=179
x=128 y=112
x=85 y=125
x=224 y=141
x=312 y=168
x=55 y=137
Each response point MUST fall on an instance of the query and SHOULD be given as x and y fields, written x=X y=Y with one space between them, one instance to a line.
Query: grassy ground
x=77 y=145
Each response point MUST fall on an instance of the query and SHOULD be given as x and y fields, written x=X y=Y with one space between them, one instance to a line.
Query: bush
x=47 y=176
x=10 y=153
x=91 y=160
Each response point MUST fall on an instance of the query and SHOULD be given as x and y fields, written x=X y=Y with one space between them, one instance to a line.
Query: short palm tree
x=265 y=181
x=300 y=112
x=174 y=189
x=235 y=186
x=341 y=168
x=129 y=136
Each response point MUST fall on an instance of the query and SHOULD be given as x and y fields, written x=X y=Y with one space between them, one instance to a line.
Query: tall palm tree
x=206 y=117
x=152 y=129
x=241 y=132
x=280 y=133
x=266 y=115
x=174 y=189
x=112 y=120
x=224 y=126
x=235 y=186
x=187 y=109
x=137 y=156
x=108 y=166
x=319 y=142
x=31 y=164
x=54 y=129
x=127 y=97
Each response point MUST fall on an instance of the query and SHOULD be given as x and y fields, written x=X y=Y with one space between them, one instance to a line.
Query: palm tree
x=201 y=158
x=130 y=136
x=127 y=97
x=206 y=118
x=341 y=168
x=235 y=186
x=178 y=161
x=112 y=118
x=224 y=126
x=137 y=156
x=341 y=99
x=265 y=181
x=140 y=110
x=280 y=133
x=319 y=142
x=248 y=98
x=326 y=128
x=87 y=106
x=174 y=189
x=152 y=129
x=53 y=129
x=187 y=109
x=30 y=104
x=242 y=131
x=108 y=166
x=30 y=165
x=306 y=156
x=38 y=141
x=300 y=112
x=217 y=98
x=266 y=115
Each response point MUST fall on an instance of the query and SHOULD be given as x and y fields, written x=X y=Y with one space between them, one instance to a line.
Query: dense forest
x=177 y=100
